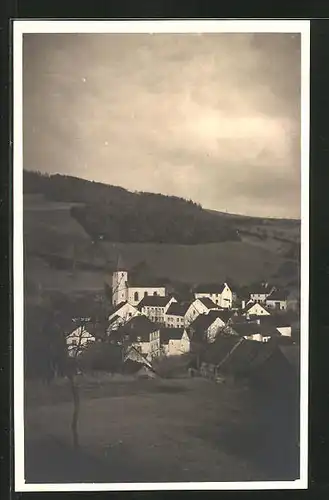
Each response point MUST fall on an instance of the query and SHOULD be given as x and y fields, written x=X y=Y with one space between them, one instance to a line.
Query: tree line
x=114 y=214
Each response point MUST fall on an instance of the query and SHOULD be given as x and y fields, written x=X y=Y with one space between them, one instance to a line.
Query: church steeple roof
x=120 y=264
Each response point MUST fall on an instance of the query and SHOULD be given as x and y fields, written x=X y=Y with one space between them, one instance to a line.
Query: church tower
x=120 y=283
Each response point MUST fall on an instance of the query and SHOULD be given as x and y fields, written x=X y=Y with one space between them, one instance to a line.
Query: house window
x=145 y=294
x=130 y=315
x=136 y=296
x=155 y=293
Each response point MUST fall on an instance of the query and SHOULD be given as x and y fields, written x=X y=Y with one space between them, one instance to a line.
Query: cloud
x=213 y=117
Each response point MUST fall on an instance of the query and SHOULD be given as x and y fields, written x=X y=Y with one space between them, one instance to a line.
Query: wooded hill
x=77 y=226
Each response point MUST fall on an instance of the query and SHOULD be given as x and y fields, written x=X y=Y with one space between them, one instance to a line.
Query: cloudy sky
x=213 y=117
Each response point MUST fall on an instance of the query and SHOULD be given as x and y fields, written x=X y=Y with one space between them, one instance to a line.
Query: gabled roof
x=121 y=266
x=260 y=291
x=167 y=334
x=278 y=320
x=223 y=314
x=138 y=326
x=117 y=307
x=176 y=309
x=113 y=319
x=278 y=295
x=220 y=348
x=144 y=282
x=253 y=328
x=201 y=323
x=210 y=288
x=204 y=321
x=206 y=301
x=154 y=300
x=251 y=305
x=246 y=328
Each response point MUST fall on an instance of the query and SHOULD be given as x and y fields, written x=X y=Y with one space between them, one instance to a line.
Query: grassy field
x=157 y=430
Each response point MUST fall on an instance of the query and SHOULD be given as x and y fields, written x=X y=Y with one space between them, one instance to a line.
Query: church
x=125 y=289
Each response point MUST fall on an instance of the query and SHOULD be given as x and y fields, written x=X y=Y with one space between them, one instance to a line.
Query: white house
x=155 y=307
x=256 y=309
x=78 y=340
x=278 y=299
x=174 y=341
x=120 y=314
x=142 y=334
x=125 y=290
x=201 y=305
x=260 y=293
x=175 y=315
x=221 y=295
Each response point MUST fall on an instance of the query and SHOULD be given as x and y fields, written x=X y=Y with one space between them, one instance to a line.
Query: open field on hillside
x=50 y=231
x=177 y=430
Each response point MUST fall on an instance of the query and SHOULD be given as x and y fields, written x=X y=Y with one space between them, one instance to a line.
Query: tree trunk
x=76 y=411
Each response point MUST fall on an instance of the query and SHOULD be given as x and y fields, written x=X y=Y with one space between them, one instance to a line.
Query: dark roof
x=237 y=318
x=113 y=319
x=176 y=309
x=206 y=301
x=253 y=328
x=260 y=291
x=167 y=334
x=154 y=300
x=247 y=356
x=144 y=282
x=138 y=326
x=223 y=314
x=121 y=266
x=276 y=319
x=117 y=307
x=278 y=295
x=210 y=288
x=246 y=328
x=220 y=348
x=203 y=321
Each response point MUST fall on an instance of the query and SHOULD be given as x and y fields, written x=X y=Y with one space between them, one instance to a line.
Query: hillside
x=72 y=242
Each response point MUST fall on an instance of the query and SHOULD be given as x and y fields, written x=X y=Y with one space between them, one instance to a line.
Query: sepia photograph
x=160 y=254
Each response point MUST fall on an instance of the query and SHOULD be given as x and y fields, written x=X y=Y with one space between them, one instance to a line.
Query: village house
x=206 y=326
x=142 y=334
x=221 y=295
x=240 y=357
x=260 y=293
x=155 y=307
x=175 y=315
x=278 y=299
x=132 y=290
x=78 y=340
x=174 y=341
x=252 y=330
x=282 y=322
x=120 y=314
x=255 y=309
x=201 y=305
